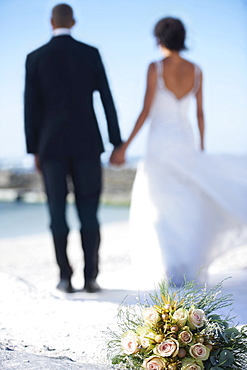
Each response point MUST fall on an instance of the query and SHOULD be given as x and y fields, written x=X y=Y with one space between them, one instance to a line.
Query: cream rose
x=180 y=316
x=147 y=339
x=130 y=343
x=145 y=342
x=196 y=318
x=167 y=348
x=150 y=316
x=154 y=363
x=190 y=364
x=185 y=336
x=199 y=352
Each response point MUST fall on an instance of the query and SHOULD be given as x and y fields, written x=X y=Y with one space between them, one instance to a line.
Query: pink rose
x=199 y=352
x=167 y=348
x=154 y=363
x=185 y=336
x=130 y=343
x=196 y=318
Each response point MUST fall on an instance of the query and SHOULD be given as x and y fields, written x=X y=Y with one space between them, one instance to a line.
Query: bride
x=187 y=207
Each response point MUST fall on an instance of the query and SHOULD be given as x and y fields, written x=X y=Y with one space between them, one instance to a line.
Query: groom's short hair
x=62 y=14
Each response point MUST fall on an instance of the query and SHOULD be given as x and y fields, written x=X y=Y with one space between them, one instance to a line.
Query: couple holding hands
x=173 y=198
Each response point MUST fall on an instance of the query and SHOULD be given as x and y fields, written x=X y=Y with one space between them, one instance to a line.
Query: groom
x=63 y=134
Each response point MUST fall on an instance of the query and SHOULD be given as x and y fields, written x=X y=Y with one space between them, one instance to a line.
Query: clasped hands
x=117 y=157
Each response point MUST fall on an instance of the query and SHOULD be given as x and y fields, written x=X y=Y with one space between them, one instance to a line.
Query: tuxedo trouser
x=86 y=179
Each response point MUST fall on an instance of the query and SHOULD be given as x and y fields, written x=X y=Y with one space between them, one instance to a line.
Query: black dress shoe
x=65 y=286
x=91 y=286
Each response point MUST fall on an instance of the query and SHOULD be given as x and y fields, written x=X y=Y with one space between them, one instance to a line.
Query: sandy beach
x=43 y=328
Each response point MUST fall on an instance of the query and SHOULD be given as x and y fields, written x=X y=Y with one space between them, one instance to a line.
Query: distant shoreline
x=26 y=185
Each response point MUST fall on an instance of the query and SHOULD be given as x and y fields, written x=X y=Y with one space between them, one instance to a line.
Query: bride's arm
x=149 y=95
x=118 y=154
x=200 y=114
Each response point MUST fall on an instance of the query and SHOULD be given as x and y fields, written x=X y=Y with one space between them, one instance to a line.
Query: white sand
x=38 y=319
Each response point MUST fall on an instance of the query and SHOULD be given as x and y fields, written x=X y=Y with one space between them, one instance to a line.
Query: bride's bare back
x=179 y=76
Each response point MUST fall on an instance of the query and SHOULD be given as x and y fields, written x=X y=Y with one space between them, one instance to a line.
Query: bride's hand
x=118 y=156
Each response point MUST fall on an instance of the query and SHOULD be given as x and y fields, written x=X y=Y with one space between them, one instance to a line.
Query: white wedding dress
x=187 y=207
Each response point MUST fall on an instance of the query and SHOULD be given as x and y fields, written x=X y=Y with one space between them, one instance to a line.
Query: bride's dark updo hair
x=170 y=33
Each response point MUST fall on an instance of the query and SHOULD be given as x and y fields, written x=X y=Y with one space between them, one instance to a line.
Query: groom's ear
x=52 y=23
x=73 y=22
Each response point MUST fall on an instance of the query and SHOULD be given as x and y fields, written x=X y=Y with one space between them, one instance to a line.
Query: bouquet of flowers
x=178 y=329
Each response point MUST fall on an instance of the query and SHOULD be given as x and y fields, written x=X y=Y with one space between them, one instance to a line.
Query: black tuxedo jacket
x=61 y=77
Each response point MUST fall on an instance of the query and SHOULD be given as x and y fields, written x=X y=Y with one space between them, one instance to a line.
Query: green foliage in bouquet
x=178 y=329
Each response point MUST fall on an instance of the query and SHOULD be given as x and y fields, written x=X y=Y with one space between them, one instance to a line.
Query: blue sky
x=122 y=30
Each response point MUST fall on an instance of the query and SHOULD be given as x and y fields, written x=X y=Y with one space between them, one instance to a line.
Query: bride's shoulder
x=155 y=63
x=152 y=68
x=193 y=64
x=192 y=67
x=152 y=64
x=189 y=63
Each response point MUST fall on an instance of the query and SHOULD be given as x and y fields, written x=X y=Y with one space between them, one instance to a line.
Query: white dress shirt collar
x=61 y=31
